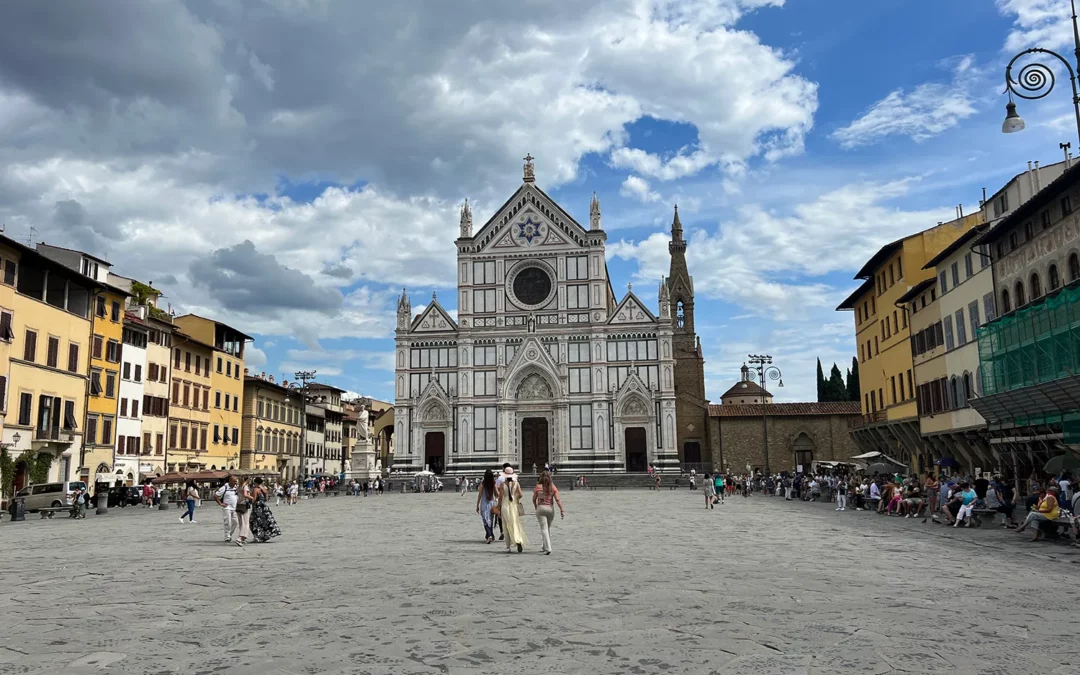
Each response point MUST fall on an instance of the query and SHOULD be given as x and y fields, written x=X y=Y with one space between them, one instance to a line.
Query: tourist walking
x=511 y=510
x=708 y=488
x=841 y=488
x=485 y=502
x=544 y=494
x=191 y=498
x=226 y=498
x=243 y=514
x=263 y=525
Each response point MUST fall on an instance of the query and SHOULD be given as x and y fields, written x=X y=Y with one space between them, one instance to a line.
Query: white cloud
x=254 y=357
x=926 y=111
x=637 y=188
x=1038 y=23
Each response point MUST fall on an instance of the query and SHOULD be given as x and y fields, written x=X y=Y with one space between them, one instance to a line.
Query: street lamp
x=1036 y=80
x=304 y=376
x=765 y=371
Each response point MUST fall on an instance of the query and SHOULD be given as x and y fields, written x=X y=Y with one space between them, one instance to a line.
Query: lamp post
x=304 y=376
x=1036 y=80
x=765 y=371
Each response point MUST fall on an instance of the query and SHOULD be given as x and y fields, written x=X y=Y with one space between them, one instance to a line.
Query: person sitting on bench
x=1046 y=510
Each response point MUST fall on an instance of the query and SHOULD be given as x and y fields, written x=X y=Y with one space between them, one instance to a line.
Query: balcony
x=64 y=436
x=876 y=417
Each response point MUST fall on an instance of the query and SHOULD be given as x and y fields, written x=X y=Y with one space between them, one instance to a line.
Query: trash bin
x=163 y=500
x=17 y=509
x=102 y=502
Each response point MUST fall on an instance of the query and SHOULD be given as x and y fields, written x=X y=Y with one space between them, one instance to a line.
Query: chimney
x=270 y=378
x=246 y=371
x=1038 y=177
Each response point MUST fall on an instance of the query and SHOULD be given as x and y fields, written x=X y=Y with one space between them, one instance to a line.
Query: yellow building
x=10 y=252
x=226 y=382
x=271 y=431
x=188 y=446
x=106 y=341
x=890 y=422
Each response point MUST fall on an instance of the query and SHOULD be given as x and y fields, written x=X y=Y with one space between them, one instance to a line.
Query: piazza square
x=639 y=581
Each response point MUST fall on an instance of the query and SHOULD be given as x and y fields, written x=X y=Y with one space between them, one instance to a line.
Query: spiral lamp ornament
x=1036 y=79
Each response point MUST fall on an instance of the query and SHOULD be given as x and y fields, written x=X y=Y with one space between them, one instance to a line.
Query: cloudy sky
x=287 y=166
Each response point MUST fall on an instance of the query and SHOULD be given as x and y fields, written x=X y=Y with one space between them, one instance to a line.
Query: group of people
x=245 y=512
x=369 y=487
x=500 y=503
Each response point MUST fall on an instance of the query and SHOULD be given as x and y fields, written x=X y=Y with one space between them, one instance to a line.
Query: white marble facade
x=544 y=363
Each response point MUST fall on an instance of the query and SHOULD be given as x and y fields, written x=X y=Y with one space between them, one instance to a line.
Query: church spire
x=404 y=311
x=676 y=226
x=594 y=213
x=466 y=220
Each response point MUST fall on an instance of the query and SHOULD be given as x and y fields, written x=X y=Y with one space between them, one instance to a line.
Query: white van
x=44 y=495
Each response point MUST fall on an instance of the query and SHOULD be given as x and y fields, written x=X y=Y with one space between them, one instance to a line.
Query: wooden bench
x=50 y=511
x=977 y=516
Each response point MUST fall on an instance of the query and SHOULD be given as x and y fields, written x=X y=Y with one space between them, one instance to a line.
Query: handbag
x=495 y=509
x=520 y=509
x=243 y=507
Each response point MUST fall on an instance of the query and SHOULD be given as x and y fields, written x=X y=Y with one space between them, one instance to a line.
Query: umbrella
x=948 y=462
x=881 y=467
x=1061 y=463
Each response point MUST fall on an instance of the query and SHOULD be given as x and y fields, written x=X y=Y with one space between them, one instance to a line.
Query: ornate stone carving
x=433 y=412
x=635 y=408
x=534 y=388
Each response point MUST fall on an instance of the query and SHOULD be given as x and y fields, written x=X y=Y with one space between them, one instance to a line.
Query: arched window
x=978 y=381
x=679 y=316
x=1019 y=293
x=952 y=394
x=1074 y=268
x=1005 y=306
x=966 y=393
x=1055 y=278
x=1036 y=287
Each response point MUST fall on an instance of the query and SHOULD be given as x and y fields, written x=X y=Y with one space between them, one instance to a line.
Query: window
x=120 y=442
x=577 y=268
x=484 y=355
x=580 y=380
x=1018 y=293
x=1002 y=204
x=973 y=316
x=484 y=383
x=1029 y=231
x=577 y=296
x=106 y=430
x=183 y=437
x=205 y=399
x=1036 y=287
x=1074 y=267
x=942 y=282
x=484 y=429
x=100 y=308
x=73 y=358
x=152 y=374
x=484 y=272
x=580 y=427
x=484 y=300
x=949 y=341
x=961 y=328
x=988 y=307
x=9 y=272
x=228 y=369
x=236 y=436
x=984 y=257
x=578 y=352
x=138 y=373
x=126 y=371
x=52 y=358
x=115 y=313
x=631 y=350
x=903 y=319
x=6 y=333
x=217 y=399
x=876 y=350
x=202 y=437
x=955 y=274
x=123 y=407
x=1066 y=205
x=26 y=404
x=1005 y=305
x=134 y=407
x=1054 y=278
x=91 y=430
x=236 y=404
x=30 y=348
x=95 y=382
x=112 y=351
x=219 y=364
x=217 y=434
x=899 y=270
x=1045 y=218
x=198 y=364
x=893 y=383
x=969 y=265
x=110 y=383
x=1014 y=241
x=227 y=399
x=910 y=384
x=260 y=408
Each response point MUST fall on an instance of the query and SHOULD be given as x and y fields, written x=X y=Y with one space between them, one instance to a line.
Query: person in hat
x=511 y=509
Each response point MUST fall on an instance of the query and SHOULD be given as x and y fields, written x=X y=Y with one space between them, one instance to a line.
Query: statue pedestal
x=363 y=462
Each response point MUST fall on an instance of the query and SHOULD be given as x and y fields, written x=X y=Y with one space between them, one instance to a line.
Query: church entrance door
x=435 y=451
x=636 y=450
x=534 y=443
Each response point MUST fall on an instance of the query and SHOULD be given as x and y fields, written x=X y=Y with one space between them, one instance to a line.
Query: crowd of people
x=500 y=503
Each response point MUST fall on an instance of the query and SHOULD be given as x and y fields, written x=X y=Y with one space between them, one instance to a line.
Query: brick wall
x=741 y=441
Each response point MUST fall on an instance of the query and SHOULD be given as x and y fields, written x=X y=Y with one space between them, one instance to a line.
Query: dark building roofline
x=916 y=290
x=849 y=302
x=847 y=408
x=1031 y=206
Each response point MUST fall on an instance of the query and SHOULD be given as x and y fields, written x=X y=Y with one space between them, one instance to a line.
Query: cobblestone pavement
x=640 y=582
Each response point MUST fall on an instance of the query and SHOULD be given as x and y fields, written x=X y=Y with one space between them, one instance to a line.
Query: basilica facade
x=544 y=362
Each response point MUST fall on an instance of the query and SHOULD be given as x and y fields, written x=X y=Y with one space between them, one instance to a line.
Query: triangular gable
x=434 y=319
x=528 y=196
x=631 y=310
x=633 y=397
x=506 y=241
x=554 y=238
x=433 y=405
x=531 y=357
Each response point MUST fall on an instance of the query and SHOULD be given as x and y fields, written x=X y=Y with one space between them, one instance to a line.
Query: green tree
x=853 y=381
x=835 y=389
x=820 y=383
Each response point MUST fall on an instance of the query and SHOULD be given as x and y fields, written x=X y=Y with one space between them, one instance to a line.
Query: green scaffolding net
x=1039 y=343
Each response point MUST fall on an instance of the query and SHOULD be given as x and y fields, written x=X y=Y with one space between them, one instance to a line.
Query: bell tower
x=691 y=406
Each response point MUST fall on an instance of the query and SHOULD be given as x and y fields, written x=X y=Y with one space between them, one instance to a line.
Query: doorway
x=435 y=451
x=636 y=450
x=692 y=453
x=534 y=443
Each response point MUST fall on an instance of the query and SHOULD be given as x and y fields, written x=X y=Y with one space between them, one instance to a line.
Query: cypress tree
x=853 y=381
x=820 y=383
x=836 y=389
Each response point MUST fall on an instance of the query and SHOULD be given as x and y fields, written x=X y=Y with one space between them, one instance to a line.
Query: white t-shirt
x=227 y=494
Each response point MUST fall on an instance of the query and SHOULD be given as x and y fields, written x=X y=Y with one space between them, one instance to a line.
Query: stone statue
x=530 y=177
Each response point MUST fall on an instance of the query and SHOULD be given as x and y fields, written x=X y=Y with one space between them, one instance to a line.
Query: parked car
x=44 y=495
x=125 y=496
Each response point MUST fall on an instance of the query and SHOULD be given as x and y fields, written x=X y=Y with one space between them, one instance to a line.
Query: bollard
x=17 y=509
x=102 y=503
x=163 y=501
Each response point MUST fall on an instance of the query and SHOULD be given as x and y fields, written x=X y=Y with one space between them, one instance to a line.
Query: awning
x=880 y=456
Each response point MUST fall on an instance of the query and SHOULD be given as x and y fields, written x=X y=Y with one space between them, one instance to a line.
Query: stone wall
x=740 y=440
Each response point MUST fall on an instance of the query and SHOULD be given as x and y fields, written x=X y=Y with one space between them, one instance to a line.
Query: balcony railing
x=873 y=418
x=55 y=435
